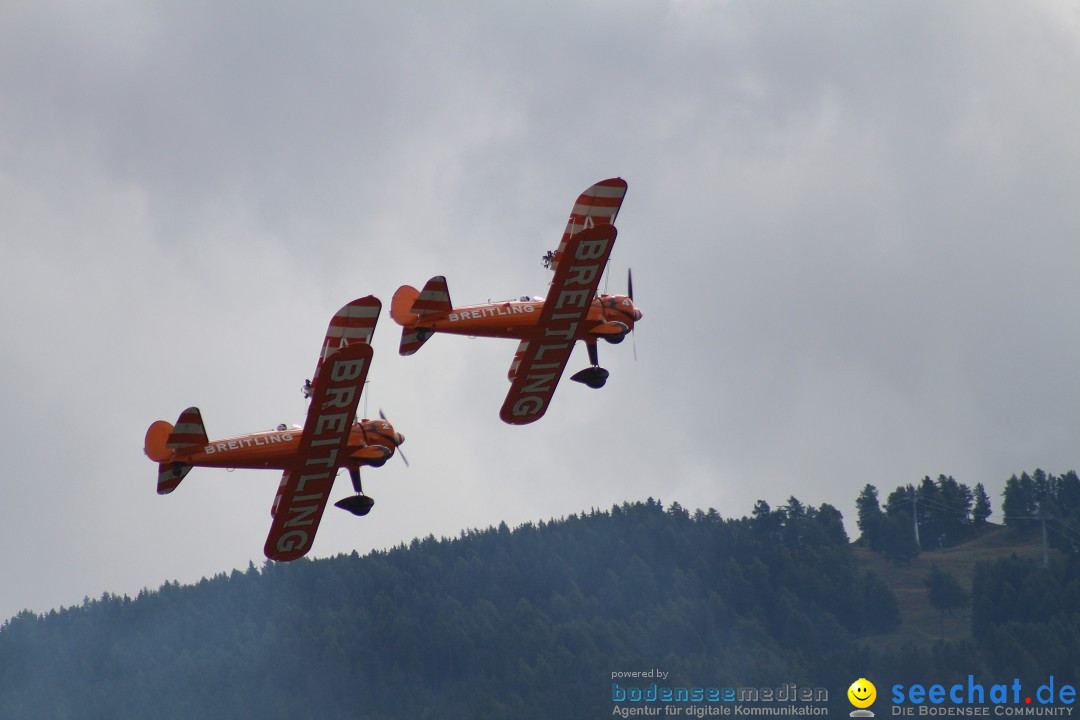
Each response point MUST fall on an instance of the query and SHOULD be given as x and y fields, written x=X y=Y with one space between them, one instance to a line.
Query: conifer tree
x=946 y=594
x=981 y=510
x=870 y=517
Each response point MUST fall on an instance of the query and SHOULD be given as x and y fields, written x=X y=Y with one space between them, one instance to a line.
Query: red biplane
x=310 y=456
x=547 y=329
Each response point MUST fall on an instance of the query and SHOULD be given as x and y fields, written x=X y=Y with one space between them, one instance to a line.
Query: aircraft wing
x=335 y=395
x=599 y=205
x=353 y=323
x=541 y=359
x=307 y=483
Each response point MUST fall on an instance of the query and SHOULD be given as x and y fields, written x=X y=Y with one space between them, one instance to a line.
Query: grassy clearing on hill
x=920 y=623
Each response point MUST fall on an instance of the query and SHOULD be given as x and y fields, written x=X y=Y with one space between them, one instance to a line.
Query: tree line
x=531 y=622
x=942 y=513
x=927 y=516
x=1045 y=500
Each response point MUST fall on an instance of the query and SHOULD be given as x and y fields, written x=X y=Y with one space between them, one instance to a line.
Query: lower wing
x=540 y=361
x=306 y=485
x=539 y=365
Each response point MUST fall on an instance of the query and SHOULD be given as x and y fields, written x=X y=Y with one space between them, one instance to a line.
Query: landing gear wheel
x=595 y=377
x=358 y=505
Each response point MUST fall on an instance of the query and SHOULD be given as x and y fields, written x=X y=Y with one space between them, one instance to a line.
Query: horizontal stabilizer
x=189 y=430
x=169 y=476
x=433 y=299
x=411 y=307
x=412 y=340
x=163 y=440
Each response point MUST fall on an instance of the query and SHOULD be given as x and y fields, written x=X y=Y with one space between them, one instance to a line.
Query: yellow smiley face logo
x=862 y=693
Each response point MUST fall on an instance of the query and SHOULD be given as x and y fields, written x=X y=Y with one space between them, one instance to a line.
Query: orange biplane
x=547 y=329
x=310 y=456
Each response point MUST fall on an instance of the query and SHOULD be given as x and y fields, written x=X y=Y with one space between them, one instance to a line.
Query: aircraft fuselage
x=520 y=319
x=277 y=449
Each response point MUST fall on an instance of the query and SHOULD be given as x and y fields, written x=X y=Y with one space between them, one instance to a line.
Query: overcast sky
x=854 y=229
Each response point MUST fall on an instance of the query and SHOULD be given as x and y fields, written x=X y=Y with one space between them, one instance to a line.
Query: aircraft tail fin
x=410 y=306
x=164 y=439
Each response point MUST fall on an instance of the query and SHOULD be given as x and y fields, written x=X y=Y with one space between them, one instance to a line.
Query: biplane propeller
x=595 y=376
x=546 y=329
x=332 y=437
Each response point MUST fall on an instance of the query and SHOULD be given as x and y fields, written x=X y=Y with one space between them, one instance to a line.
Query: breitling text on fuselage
x=247 y=442
x=493 y=311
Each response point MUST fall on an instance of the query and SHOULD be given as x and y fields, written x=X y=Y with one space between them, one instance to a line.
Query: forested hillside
x=523 y=623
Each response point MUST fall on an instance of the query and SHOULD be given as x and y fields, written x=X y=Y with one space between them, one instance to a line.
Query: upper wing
x=353 y=323
x=307 y=482
x=599 y=205
x=540 y=363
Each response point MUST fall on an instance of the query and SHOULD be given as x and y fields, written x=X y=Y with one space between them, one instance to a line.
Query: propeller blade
x=630 y=294
x=397 y=447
